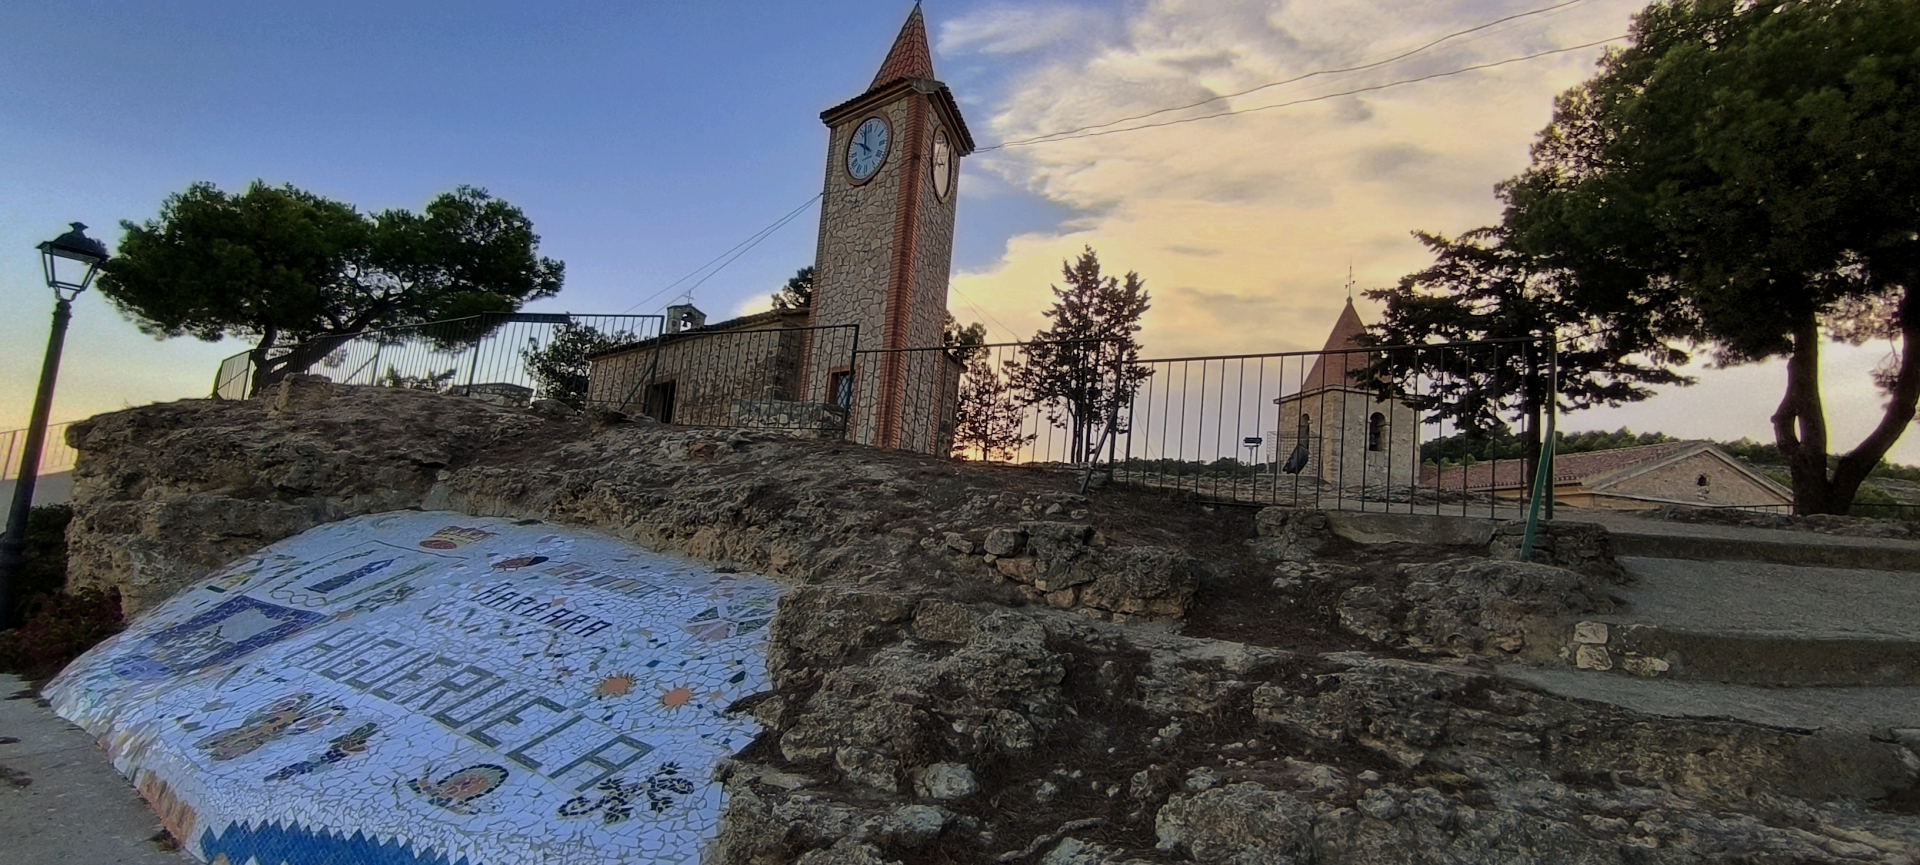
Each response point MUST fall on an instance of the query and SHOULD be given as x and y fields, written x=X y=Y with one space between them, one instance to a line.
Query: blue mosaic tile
x=422 y=687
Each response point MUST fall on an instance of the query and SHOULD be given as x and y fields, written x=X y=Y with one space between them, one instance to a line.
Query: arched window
x=1377 y=432
x=1306 y=426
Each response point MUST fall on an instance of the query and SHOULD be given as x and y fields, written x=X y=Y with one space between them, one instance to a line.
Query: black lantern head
x=71 y=260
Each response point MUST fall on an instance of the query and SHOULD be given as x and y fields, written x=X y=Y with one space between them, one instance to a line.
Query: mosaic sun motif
x=291 y=702
x=616 y=685
x=454 y=537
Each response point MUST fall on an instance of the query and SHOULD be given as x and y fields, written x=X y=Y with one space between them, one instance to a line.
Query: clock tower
x=886 y=245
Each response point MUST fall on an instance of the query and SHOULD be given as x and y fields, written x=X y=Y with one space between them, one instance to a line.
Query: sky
x=644 y=139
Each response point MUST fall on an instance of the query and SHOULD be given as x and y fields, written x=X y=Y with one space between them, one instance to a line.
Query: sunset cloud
x=1244 y=226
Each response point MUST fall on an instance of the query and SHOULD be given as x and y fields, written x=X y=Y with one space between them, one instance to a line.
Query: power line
x=1321 y=98
x=751 y=241
x=756 y=242
x=1371 y=65
x=1011 y=333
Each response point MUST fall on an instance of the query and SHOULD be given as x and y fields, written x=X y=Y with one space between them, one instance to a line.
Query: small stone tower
x=1353 y=438
x=886 y=246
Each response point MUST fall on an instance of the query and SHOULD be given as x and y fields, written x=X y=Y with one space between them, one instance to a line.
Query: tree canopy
x=298 y=274
x=1084 y=368
x=798 y=292
x=561 y=367
x=1479 y=289
x=1742 y=177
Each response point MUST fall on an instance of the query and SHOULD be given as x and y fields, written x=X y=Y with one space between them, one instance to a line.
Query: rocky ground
x=981 y=664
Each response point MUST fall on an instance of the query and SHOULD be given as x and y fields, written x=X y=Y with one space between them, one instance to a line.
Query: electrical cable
x=1368 y=89
x=1362 y=67
x=1011 y=333
x=768 y=232
x=751 y=241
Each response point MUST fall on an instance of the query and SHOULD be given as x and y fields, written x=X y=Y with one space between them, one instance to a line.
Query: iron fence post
x=1553 y=411
x=854 y=384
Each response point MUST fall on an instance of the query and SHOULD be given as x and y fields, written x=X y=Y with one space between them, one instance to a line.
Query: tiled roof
x=783 y=318
x=910 y=57
x=1346 y=331
x=1567 y=468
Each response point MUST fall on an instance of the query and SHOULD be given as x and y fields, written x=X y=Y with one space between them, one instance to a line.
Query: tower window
x=840 y=387
x=1377 y=432
x=1700 y=481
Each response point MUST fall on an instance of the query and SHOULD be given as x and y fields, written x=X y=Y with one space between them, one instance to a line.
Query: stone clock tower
x=886 y=244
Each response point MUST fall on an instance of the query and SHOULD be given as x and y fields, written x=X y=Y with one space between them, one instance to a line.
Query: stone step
x=1871 y=711
x=1758 y=623
x=1810 y=550
x=1849 y=731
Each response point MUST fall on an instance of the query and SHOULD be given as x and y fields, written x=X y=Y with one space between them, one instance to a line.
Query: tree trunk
x=1800 y=424
x=299 y=359
x=258 y=355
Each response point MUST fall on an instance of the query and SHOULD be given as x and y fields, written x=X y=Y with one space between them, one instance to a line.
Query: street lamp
x=70 y=261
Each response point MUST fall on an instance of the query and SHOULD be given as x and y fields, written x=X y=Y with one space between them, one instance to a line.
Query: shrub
x=57 y=626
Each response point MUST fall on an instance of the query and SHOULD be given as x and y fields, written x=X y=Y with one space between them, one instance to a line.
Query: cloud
x=1244 y=227
x=1246 y=224
x=1010 y=30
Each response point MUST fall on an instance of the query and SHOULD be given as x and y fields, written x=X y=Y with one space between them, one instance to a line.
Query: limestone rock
x=846 y=853
x=1290 y=534
x=943 y=621
x=1463 y=604
x=1238 y=823
x=1152 y=581
x=946 y=782
x=1005 y=542
x=1583 y=547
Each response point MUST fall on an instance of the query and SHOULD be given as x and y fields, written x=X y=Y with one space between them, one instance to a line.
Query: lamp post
x=71 y=261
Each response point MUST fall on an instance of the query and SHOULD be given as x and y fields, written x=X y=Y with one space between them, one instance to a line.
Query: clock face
x=868 y=149
x=942 y=163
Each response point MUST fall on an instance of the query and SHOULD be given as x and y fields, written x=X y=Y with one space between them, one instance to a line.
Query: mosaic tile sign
x=430 y=688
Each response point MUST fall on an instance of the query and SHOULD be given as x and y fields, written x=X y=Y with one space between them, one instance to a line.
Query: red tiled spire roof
x=1344 y=336
x=910 y=57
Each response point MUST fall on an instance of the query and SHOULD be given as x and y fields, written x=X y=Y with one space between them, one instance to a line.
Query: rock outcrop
x=978 y=664
x=167 y=493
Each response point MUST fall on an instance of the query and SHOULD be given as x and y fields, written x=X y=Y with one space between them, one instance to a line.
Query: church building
x=866 y=355
x=1335 y=429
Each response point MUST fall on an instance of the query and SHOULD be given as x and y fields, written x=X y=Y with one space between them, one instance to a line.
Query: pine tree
x=1085 y=368
x=990 y=413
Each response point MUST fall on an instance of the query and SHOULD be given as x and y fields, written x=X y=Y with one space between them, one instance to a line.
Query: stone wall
x=1682 y=482
x=708 y=373
x=1338 y=441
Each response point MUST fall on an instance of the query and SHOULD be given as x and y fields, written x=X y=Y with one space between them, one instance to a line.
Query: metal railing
x=1028 y=402
x=775 y=378
x=55 y=456
x=507 y=356
x=1343 y=429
